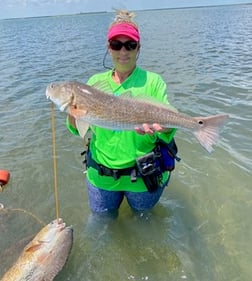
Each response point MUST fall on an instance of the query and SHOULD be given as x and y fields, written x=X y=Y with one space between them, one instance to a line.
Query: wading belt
x=115 y=173
x=149 y=166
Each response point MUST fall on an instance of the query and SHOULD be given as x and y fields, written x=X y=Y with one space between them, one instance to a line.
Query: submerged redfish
x=95 y=107
x=44 y=256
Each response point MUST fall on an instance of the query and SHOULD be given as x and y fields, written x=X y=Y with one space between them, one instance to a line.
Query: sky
x=34 y=8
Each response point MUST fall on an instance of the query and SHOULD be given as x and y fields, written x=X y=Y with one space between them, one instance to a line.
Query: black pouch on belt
x=149 y=171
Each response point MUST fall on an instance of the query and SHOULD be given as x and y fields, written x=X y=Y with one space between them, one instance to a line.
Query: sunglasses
x=117 y=45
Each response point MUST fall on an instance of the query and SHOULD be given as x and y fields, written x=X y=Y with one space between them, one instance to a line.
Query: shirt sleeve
x=167 y=136
x=71 y=129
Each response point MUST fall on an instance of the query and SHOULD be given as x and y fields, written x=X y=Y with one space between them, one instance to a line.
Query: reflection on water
x=201 y=229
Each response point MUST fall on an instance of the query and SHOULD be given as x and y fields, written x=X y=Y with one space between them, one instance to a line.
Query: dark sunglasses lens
x=130 y=45
x=117 y=45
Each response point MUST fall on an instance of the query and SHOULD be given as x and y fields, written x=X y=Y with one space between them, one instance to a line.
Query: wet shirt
x=118 y=149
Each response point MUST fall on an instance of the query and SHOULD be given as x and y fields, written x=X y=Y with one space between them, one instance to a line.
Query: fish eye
x=201 y=122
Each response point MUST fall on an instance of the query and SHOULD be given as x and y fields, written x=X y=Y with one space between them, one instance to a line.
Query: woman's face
x=124 y=60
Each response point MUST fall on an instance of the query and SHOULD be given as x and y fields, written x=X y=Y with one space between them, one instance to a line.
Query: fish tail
x=208 y=133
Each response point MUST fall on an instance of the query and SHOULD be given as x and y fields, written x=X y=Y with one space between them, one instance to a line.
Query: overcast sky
x=33 y=8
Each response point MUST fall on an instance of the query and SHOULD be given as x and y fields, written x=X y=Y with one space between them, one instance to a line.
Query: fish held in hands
x=91 y=106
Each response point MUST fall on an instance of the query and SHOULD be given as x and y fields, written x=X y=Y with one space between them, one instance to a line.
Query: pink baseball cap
x=124 y=28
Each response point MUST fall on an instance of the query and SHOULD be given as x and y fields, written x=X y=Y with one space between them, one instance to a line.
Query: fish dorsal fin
x=152 y=100
x=103 y=86
x=126 y=95
x=106 y=88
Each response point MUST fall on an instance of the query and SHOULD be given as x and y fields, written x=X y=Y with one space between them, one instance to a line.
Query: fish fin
x=208 y=133
x=126 y=95
x=82 y=127
x=106 y=88
x=33 y=247
x=148 y=99
x=103 y=86
x=152 y=100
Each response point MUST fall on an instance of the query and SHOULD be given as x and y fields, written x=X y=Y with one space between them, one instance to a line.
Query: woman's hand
x=150 y=129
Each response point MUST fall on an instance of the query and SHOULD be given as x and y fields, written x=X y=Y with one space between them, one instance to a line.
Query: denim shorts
x=101 y=200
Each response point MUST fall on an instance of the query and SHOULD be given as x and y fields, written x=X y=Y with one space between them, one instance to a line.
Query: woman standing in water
x=121 y=163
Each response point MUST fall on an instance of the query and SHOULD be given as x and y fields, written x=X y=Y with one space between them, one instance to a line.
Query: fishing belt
x=149 y=167
x=105 y=171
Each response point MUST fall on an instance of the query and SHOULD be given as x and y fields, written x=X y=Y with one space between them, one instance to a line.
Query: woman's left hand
x=150 y=129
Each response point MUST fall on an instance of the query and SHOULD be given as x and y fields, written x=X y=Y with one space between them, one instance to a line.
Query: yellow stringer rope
x=54 y=164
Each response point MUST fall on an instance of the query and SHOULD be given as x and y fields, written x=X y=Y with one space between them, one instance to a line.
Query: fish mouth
x=58 y=223
x=47 y=92
x=69 y=228
x=61 y=101
x=61 y=225
x=62 y=106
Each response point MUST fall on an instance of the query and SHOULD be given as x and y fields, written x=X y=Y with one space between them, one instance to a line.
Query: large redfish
x=90 y=105
x=44 y=256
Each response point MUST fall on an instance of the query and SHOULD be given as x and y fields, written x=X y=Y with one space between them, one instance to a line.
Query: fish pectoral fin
x=33 y=247
x=82 y=127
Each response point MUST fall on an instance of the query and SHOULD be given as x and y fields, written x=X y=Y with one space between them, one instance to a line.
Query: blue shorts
x=101 y=200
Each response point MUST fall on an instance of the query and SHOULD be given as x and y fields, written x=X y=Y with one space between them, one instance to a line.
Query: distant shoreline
x=108 y=12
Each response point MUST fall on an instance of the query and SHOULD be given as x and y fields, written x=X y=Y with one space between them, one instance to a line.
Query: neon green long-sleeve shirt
x=119 y=149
